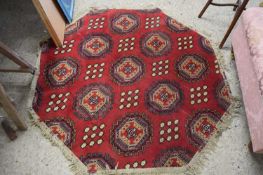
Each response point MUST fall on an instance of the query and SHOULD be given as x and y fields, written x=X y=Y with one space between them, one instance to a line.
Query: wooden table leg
x=10 y=109
x=204 y=9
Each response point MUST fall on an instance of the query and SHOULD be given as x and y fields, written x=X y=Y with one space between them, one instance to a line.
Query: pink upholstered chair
x=247 y=42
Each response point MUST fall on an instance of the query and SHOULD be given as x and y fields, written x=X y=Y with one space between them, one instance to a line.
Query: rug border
x=195 y=165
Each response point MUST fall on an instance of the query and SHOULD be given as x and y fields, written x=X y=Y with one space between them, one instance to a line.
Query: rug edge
x=76 y=166
x=194 y=167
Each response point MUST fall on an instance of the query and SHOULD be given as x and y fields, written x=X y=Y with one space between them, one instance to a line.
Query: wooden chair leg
x=25 y=66
x=204 y=9
x=250 y=147
x=234 y=21
x=234 y=8
x=10 y=132
x=10 y=109
x=232 y=53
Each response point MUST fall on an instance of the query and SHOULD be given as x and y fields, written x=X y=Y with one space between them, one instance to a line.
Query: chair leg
x=10 y=109
x=250 y=147
x=10 y=132
x=234 y=21
x=204 y=9
x=25 y=66
x=235 y=8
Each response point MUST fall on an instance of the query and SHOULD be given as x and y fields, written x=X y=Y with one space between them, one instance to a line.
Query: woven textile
x=131 y=89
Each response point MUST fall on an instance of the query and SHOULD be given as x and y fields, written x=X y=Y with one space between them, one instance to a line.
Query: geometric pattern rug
x=131 y=89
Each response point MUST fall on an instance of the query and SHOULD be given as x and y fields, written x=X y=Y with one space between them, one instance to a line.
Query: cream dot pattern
x=136 y=164
x=160 y=68
x=152 y=22
x=94 y=71
x=126 y=44
x=129 y=99
x=198 y=95
x=66 y=47
x=169 y=131
x=93 y=135
x=96 y=23
x=57 y=102
x=184 y=43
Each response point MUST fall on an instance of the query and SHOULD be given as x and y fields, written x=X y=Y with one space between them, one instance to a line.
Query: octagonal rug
x=131 y=91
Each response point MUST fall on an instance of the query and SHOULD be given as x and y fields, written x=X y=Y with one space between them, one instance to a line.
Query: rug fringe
x=77 y=167
x=194 y=167
x=198 y=161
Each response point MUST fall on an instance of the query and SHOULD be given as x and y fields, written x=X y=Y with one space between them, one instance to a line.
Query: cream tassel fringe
x=195 y=165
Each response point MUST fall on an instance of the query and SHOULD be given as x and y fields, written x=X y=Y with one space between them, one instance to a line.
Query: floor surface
x=32 y=154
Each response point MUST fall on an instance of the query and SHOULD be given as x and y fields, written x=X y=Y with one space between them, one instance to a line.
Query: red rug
x=131 y=89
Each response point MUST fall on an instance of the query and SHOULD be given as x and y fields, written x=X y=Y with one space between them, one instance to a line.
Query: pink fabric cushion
x=251 y=93
x=253 y=24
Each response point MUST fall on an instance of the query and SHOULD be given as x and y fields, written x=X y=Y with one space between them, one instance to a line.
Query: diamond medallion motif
x=142 y=90
x=164 y=97
x=191 y=67
x=125 y=23
x=174 y=25
x=63 y=129
x=155 y=44
x=223 y=94
x=95 y=46
x=130 y=134
x=61 y=72
x=74 y=27
x=202 y=126
x=93 y=101
x=98 y=161
x=205 y=44
x=127 y=70
x=174 y=157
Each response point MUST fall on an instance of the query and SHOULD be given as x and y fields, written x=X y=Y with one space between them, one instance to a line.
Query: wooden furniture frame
x=5 y=101
x=52 y=19
x=239 y=7
x=25 y=67
x=10 y=109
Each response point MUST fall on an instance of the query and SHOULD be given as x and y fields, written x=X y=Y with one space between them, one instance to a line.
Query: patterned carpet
x=131 y=89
